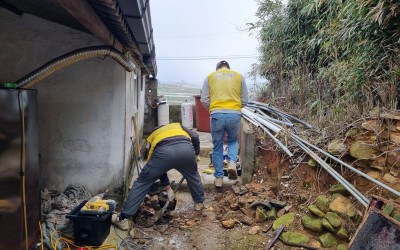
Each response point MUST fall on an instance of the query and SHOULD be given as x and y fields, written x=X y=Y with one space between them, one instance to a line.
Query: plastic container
x=89 y=230
x=163 y=113
x=187 y=114
x=202 y=116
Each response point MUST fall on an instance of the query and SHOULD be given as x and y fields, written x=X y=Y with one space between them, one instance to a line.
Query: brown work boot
x=232 y=172
x=218 y=182
x=121 y=224
x=198 y=206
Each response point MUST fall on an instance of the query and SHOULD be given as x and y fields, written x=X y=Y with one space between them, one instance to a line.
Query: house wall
x=84 y=130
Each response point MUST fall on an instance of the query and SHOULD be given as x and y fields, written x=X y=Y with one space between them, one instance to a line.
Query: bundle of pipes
x=254 y=113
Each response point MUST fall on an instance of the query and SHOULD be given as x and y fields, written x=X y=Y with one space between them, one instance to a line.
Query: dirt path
x=194 y=230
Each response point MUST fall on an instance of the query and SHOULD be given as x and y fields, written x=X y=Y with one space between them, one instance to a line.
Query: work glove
x=197 y=158
x=170 y=194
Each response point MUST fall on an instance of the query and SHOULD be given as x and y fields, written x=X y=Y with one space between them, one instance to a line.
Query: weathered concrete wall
x=84 y=109
x=247 y=154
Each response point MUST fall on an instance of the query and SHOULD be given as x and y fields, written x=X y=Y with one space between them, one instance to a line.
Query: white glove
x=197 y=158
x=170 y=194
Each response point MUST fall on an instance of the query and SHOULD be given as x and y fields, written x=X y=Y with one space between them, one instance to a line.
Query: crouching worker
x=170 y=146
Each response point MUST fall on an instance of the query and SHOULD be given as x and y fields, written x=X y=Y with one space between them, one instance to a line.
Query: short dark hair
x=222 y=63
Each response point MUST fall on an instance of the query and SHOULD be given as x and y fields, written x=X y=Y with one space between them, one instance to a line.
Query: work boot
x=198 y=206
x=232 y=172
x=218 y=182
x=121 y=224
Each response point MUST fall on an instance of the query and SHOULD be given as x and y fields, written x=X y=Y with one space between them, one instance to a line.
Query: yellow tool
x=97 y=205
x=208 y=171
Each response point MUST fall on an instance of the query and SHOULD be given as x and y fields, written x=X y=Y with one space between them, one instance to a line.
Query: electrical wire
x=68 y=240
x=205 y=58
x=23 y=166
x=202 y=35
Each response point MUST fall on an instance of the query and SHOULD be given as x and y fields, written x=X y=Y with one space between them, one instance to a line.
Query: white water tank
x=163 y=113
x=187 y=114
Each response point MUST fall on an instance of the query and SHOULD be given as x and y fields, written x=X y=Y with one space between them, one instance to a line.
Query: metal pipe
x=272 y=109
x=280 y=144
x=73 y=57
x=269 y=118
x=346 y=165
x=270 y=126
x=363 y=200
x=360 y=197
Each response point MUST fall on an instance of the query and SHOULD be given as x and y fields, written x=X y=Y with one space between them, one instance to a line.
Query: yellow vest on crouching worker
x=169 y=130
x=225 y=88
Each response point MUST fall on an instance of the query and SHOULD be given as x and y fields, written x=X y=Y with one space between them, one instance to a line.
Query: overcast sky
x=185 y=29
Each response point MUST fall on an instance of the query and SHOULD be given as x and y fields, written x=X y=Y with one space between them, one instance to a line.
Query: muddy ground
x=291 y=181
x=278 y=178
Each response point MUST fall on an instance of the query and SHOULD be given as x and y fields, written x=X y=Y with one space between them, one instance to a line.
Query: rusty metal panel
x=12 y=234
x=378 y=230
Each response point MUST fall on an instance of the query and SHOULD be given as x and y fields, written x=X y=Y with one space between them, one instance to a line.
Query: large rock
x=254 y=230
x=312 y=224
x=246 y=220
x=334 y=219
x=342 y=206
x=342 y=233
x=322 y=203
x=371 y=125
x=260 y=215
x=311 y=162
x=339 y=189
x=316 y=211
x=230 y=223
x=352 y=132
x=334 y=196
x=325 y=223
x=328 y=240
x=337 y=147
x=271 y=214
x=295 y=238
x=390 y=178
x=286 y=220
x=362 y=150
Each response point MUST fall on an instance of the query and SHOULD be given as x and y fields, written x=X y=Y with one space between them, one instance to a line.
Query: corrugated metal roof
x=129 y=22
x=113 y=16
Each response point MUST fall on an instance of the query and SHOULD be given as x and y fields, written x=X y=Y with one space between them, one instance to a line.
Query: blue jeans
x=219 y=124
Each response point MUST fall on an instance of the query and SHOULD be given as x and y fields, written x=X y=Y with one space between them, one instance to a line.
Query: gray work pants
x=179 y=156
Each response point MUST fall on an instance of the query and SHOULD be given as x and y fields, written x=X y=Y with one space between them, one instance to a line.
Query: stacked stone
x=328 y=217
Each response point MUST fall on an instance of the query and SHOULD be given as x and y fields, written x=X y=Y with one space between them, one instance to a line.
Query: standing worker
x=224 y=93
x=169 y=146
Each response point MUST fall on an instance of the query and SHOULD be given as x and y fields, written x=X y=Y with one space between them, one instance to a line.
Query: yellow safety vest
x=225 y=87
x=169 y=130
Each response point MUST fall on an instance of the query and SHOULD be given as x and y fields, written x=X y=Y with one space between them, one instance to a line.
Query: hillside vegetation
x=329 y=61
